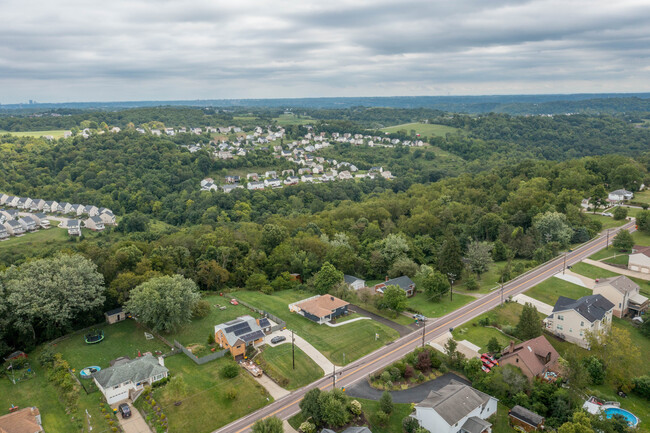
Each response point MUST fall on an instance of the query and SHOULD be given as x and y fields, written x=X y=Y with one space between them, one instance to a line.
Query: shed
x=526 y=419
x=114 y=316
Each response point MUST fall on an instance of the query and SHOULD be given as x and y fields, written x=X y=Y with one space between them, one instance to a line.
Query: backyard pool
x=629 y=417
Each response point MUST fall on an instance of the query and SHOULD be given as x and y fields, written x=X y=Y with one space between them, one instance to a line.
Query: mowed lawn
x=608 y=252
x=205 y=407
x=550 y=290
x=607 y=222
x=120 y=339
x=39 y=237
x=431 y=309
x=491 y=279
x=278 y=364
x=58 y=133
x=591 y=271
x=349 y=342
x=199 y=329
x=424 y=129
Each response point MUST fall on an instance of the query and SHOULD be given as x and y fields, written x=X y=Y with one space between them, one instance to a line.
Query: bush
x=382 y=417
x=409 y=372
x=307 y=427
x=46 y=358
x=355 y=407
x=410 y=424
x=210 y=340
x=424 y=361
x=620 y=213
x=385 y=376
x=386 y=402
x=229 y=371
x=642 y=386
x=395 y=374
x=201 y=309
x=420 y=377
x=596 y=370
x=231 y=393
x=485 y=321
x=436 y=362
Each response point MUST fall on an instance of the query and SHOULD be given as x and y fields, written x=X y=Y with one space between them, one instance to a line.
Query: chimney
x=386 y=278
x=161 y=361
x=511 y=348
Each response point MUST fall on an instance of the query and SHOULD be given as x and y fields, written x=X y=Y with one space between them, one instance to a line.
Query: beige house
x=639 y=260
x=624 y=294
x=571 y=319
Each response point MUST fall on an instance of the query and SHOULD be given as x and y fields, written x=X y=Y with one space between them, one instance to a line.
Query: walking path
x=401 y=329
x=276 y=391
x=542 y=307
x=287 y=427
x=621 y=271
x=310 y=350
x=362 y=389
x=577 y=279
x=346 y=322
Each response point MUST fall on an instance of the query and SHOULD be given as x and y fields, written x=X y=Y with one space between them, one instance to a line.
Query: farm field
x=424 y=129
x=57 y=133
x=205 y=406
x=550 y=290
x=349 y=342
x=278 y=364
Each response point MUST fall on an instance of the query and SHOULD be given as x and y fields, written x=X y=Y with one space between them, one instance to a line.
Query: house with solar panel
x=240 y=333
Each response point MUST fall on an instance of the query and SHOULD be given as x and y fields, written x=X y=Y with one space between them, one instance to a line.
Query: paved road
x=360 y=369
x=362 y=389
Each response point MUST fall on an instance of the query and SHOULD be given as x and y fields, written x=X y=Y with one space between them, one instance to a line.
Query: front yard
x=594 y=272
x=550 y=290
x=422 y=305
x=341 y=345
x=277 y=364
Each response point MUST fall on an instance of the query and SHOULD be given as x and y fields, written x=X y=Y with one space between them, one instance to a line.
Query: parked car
x=420 y=317
x=608 y=214
x=234 y=302
x=278 y=339
x=125 y=410
x=485 y=369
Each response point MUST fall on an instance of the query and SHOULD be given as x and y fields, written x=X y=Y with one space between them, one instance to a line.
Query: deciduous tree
x=530 y=325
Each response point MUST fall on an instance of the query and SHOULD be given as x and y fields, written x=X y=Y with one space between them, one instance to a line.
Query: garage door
x=117 y=397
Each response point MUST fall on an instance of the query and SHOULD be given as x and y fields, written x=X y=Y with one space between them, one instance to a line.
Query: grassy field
x=206 y=407
x=607 y=252
x=198 y=330
x=277 y=363
x=370 y=408
x=121 y=339
x=292 y=119
x=591 y=271
x=641 y=238
x=490 y=279
x=550 y=290
x=401 y=319
x=500 y=423
x=354 y=340
x=424 y=129
x=607 y=222
x=621 y=259
x=506 y=314
x=38 y=238
x=432 y=309
x=642 y=196
x=58 y=133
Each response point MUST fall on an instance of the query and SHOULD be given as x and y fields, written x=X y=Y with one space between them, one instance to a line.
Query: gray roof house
x=28 y=223
x=354 y=282
x=3 y=232
x=527 y=419
x=349 y=430
x=404 y=282
x=125 y=378
x=573 y=320
x=14 y=228
x=42 y=220
x=456 y=408
x=74 y=227
x=94 y=223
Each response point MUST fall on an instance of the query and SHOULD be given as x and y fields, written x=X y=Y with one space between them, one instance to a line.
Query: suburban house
x=42 y=220
x=127 y=377
x=620 y=195
x=274 y=183
x=349 y=430
x=14 y=228
x=114 y=316
x=11 y=214
x=354 y=283
x=64 y=207
x=50 y=206
x=37 y=205
x=623 y=293
x=456 y=408
x=3 y=232
x=320 y=308
x=240 y=333
x=91 y=210
x=229 y=188
x=526 y=419
x=107 y=217
x=27 y=420
x=28 y=223
x=639 y=260
x=94 y=223
x=571 y=319
x=74 y=227
x=255 y=185
x=23 y=203
x=534 y=357
x=78 y=209
x=403 y=282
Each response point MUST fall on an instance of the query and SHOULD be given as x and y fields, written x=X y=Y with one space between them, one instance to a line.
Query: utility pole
x=293 y=351
x=424 y=325
x=333 y=377
x=564 y=267
x=451 y=285
x=607 y=246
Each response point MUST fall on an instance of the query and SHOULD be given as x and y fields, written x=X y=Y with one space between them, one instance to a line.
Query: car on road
x=125 y=410
x=278 y=339
x=234 y=302
x=420 y=317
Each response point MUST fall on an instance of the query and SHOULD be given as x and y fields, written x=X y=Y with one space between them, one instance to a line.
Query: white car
x=608 y=214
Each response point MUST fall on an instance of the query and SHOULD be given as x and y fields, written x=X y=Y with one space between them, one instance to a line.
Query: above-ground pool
x=87 y=372
x=629 y=417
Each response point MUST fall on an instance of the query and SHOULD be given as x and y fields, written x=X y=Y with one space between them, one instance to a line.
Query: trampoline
x=88 y=372
x=94 y=337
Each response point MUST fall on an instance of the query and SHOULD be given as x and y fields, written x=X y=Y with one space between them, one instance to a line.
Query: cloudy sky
x=90 y=50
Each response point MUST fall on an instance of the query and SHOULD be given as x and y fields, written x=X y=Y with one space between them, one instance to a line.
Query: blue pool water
x=630 y=418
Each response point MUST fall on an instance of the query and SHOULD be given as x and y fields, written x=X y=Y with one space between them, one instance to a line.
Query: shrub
x=642 y=386
x=485 y=321
x=231 y=393
x=395 y=374
x=493 y=345
x=389 y=384
x=382 y=417
x=355 y=407
x=409 y=372
x=420 y=377
x=385 y=376
x=210 y=339
x=424 y=361
x=229 y=371
x=443 y=368
x=201 y=309
x=46 y=358
x=197 y=348
x=436 y=362
x=386 y=402
x=596 y=370
x=409 y=424
x=307 y=427
x=620 y=213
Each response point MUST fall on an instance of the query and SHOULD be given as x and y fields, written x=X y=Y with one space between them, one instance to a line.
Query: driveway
x=276 y=391
x=416 y=394
x=135 y=423
x=542 y=307
x=470 y=350
x=310 y=350
x=575 y=278
x=401 y=329
x=621 y=271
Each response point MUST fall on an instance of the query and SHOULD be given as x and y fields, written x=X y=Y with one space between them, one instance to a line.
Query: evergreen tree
x=386 y=402
x=493 y=345
x=450 y=258
x=529 y=326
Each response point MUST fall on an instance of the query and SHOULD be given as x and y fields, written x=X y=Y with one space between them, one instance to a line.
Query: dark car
x=125 y=410
x=420 y=317
x=278 y=339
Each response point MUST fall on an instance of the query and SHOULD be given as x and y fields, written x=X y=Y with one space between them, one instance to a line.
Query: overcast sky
x=90 y=50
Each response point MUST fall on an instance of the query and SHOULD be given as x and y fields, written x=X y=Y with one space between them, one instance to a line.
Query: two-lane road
x=358 y=370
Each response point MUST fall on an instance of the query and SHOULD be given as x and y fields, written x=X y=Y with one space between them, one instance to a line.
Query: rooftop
x=592 y=308
x=321 y=306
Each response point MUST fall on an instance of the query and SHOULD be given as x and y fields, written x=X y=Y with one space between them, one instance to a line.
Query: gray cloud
x=73 y=50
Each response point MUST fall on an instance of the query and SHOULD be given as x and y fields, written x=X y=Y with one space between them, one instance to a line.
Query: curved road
x=360 y=369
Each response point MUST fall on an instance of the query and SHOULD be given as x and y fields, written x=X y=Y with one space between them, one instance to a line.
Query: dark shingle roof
x=527 y=416
x=349 y=279
x=264 y=323
x=114 y=311
x=592 y=308
x=137 y=370
x=455 y=401
x=404 y=282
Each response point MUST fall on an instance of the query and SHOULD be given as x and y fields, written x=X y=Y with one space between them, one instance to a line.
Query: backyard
x=277 y=364
x=340 y=345
x=550 y=290
x=58 y=133
x=205 y=404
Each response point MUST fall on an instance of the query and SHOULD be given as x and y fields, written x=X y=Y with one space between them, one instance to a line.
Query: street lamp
x=451 y=276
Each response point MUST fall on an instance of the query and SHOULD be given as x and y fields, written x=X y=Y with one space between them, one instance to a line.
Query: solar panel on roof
x=252 y=336
x=243 y=331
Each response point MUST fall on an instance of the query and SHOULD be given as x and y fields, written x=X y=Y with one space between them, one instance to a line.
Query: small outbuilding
x=526 y=419
x=114 y=316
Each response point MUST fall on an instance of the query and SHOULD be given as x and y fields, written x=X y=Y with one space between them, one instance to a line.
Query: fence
x=280 y=324
x=203 y=359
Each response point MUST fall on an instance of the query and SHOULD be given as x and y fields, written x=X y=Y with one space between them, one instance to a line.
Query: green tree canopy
x=553 y=227
x=530 y=325
x=479 y=257
x=394 y=299
x=623 y=240
x=268 y=425
x=326 y=279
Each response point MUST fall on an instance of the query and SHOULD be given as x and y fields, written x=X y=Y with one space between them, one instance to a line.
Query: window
x=570 y=329
x=582 y=333
x=582 y=323
x=559 y=327
x=619 y=305
x=560 y=317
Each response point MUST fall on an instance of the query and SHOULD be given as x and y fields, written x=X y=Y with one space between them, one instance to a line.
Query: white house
x=14 y=228
x=3 y=232
x=620 y=195
x=50 y=206
x=456 y=408
x=126 y=378
x=273 y=183
x=42 y=220
x=91 y=210
x=107 y=217
x=571 y=319
x=28 y=223
x=94 y=223
x=353 y=282
x=255 y=185
x=74 y=227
